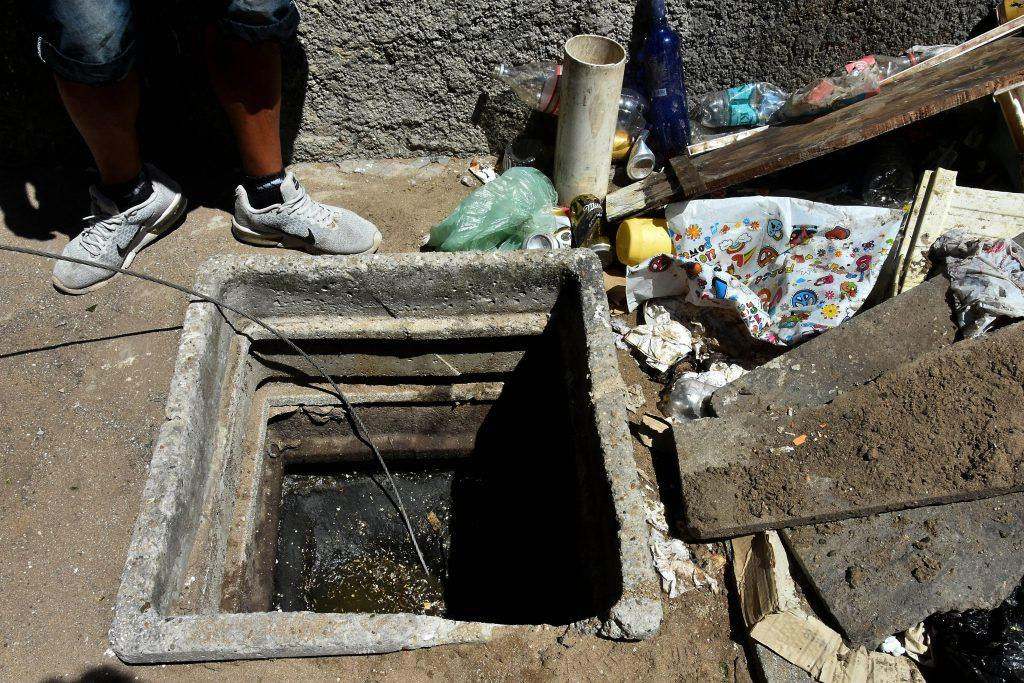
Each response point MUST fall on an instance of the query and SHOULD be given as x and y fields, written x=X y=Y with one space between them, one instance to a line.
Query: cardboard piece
x=777 y=620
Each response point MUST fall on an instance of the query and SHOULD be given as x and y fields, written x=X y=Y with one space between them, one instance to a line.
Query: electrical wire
x=357 y=424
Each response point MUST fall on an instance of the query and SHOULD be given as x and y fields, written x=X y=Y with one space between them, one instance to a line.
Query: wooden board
x=883 y=574
x=972 y=44
x=940 y=206
x=976 y=74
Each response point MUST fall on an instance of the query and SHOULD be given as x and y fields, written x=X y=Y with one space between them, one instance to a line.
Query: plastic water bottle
x=890 y=66
x=536 y=84
x=663 y=76
x=750 y=104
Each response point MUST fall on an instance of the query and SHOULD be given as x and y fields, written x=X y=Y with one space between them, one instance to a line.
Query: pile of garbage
x=722 y=284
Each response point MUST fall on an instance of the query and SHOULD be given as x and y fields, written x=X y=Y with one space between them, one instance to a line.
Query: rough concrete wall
x=379 y=79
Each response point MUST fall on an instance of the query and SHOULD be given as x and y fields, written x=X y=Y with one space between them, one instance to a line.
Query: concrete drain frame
x=422 y=333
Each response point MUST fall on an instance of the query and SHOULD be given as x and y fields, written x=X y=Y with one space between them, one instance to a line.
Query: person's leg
x=105 y=116
x=271 y=207
x=89 y=46
x=247 y=79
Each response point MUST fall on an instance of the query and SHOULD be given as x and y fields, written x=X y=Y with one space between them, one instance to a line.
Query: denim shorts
x=93 y=41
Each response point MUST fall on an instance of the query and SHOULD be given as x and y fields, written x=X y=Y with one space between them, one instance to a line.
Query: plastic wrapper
x=788 y=267
x=493 y=214
x=986 y=278
x=981 y=645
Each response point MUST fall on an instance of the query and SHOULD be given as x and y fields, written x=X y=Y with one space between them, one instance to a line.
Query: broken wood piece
x=883 y=574
x=1012 y=101
x=979 y=73
x=778 y=620
x=940 y=206
x=972 y=44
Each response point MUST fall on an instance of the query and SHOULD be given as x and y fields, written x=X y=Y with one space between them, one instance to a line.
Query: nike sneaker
x=301 y=222
x=113 y=237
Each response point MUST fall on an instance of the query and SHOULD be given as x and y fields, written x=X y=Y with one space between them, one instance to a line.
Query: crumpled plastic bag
x=789 y=267
x=986 y=277
x=981 y=645
x=495 y=213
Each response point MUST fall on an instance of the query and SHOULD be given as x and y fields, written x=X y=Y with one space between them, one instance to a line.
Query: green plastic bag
x=489 y=217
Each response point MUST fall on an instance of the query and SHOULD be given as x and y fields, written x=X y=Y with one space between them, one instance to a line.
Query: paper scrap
x=661 y=339
x=672 y=558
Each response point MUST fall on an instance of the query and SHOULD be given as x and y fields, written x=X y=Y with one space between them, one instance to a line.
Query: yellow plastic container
x=641 y=238
x=1012 y=9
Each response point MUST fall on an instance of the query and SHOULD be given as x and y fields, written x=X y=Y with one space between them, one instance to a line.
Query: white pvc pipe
x=592 y=75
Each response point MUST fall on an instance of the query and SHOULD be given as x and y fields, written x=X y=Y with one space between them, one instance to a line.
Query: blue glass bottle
x=663 y=76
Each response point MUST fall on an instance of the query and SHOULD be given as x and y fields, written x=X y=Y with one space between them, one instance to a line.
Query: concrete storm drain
x=490 y=384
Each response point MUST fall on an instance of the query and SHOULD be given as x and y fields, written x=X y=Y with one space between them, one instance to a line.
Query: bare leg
x=106 y=115
x=247 y=78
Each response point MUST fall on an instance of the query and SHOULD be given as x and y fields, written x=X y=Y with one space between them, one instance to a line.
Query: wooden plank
x=948 y=85
x=908 y=239
x=927 y=224
x=942 y=206
x=974 y=43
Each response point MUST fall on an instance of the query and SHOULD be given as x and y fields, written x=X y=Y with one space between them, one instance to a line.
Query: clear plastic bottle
x=890 y=66
x=826 y=94
x=633 y=108
x=750 y=104
x=663 y=76
x=536 y=83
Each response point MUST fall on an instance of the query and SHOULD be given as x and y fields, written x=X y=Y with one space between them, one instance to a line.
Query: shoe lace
x=98 y=231
x=307 y=207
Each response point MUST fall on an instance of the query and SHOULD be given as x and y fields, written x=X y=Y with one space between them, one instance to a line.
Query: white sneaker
x=300 y=222
x=114 y=237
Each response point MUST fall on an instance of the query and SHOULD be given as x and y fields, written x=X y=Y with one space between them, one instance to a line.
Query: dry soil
x=84 y=383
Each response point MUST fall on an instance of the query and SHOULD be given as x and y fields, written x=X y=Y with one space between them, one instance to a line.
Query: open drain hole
x=491 y=487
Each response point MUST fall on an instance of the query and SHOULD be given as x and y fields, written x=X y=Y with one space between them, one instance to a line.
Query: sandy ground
x=84 y=380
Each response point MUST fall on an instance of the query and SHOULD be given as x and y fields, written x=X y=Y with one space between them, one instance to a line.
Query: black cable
x=357 y=424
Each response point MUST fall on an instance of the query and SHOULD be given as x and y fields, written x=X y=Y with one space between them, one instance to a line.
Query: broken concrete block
x=883 y=574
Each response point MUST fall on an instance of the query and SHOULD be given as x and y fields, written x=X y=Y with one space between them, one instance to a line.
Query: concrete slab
x=188 y=500
x=754 y=408
x=880 y=575
x=831 y=429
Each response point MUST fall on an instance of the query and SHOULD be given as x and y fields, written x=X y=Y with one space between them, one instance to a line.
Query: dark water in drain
x=343 y=548
x=499 y=523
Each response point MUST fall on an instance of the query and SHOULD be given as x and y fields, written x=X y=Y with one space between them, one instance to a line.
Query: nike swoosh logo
x=123 y=251
x=309 y=239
